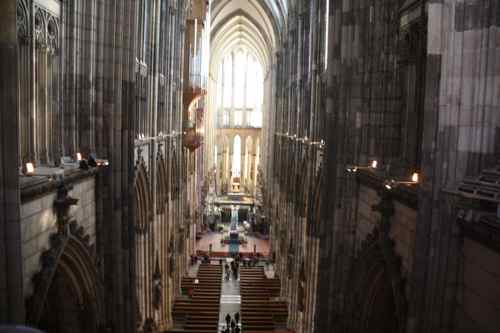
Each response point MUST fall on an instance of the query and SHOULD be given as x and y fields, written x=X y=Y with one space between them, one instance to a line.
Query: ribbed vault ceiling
x=255 y=24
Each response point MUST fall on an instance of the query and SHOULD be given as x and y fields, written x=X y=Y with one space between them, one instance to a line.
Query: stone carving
x=315 y=205
x=143 y=201
x=377 y=256
x=157 y=285
x=171 y=258
x=386 y=208
x=302 y=287
x=62 y=206
x=291 y=259
x=150 y=326
x=23 y=23
x=175 y=175
x=70 y=246
x=161 y=184
x=46 y=30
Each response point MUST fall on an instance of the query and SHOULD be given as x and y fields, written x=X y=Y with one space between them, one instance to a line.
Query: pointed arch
x=379 y=304
x=142 y=197
x=175 y=175
x=69 y=269
x=161 y=185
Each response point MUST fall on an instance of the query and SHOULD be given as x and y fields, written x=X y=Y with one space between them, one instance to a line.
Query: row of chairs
x=259 y=312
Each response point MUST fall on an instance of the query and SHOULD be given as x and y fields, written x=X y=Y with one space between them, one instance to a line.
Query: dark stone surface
x=11 y=292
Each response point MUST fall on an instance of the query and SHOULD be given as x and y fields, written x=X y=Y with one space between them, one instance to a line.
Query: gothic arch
x=175 y=175
x=67 y=291
x=161 y=184
x=377 y=303
x=23 y=21
x=316 y=201
x=142 y=197
x=301 y=183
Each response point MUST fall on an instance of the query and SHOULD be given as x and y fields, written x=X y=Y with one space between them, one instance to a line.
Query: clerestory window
x=241 y=88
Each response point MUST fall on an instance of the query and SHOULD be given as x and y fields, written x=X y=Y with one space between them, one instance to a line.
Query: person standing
x=237 y=317
x=228 y=320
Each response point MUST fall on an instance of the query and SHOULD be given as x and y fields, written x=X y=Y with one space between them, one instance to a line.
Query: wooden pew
x=258 y=312
x=200 y=312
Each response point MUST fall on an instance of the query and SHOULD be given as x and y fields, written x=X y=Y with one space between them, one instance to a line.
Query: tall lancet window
x=240 y=69
x=236 y=171
x=242 y=81
x=228 y=81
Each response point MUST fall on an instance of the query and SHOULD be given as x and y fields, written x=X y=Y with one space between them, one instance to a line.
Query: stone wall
x=403 y=224
x=478 y=301
x=38 y=222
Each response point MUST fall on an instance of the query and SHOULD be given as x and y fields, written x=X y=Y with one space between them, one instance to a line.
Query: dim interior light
x=79 y=156
x=374 y=164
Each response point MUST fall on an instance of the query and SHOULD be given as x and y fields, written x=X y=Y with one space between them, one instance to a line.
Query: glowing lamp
x=79 y=156
x=414 y=177
x=30 y=168
x=374 y=164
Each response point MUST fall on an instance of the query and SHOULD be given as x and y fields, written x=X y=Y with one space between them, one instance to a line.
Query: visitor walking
x=228 y=320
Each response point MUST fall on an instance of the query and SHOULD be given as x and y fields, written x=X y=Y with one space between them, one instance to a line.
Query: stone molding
x=404 y=194
x=40 y=186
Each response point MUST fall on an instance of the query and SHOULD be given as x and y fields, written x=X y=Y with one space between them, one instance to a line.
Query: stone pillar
x=11 y=292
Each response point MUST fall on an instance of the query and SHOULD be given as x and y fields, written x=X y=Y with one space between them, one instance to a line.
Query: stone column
x=11 y=292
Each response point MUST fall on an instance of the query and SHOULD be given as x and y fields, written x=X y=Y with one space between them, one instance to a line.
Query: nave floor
x=214 y=238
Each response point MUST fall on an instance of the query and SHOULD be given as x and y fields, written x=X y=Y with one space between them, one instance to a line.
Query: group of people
x=232 y=325
x=205 y=259
x=233 y=268
x=236 y=263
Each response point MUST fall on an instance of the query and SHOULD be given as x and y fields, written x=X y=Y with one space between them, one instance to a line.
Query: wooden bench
x=200 y=312
x=258 y=312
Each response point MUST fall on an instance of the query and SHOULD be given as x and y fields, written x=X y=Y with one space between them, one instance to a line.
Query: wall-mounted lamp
x=30 y=169
x=355 y=168
x=391 y=184
x=415 y=177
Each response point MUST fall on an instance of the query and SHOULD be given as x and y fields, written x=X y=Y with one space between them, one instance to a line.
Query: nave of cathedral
x=312 y=165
